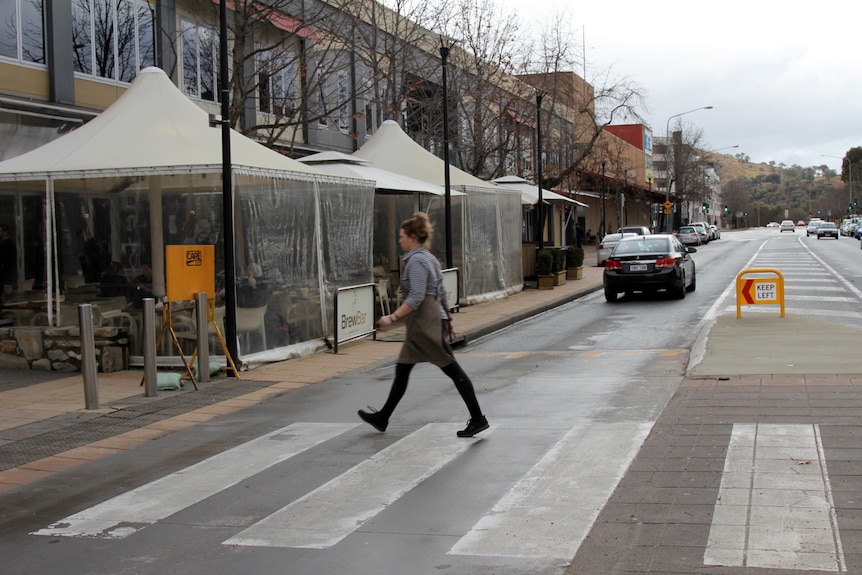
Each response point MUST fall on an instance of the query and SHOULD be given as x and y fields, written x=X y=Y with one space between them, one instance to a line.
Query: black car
x=647 y=264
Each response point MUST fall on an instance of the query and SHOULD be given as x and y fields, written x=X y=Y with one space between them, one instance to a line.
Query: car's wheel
x=693 y=285
x=610 y=295
x=679 y=290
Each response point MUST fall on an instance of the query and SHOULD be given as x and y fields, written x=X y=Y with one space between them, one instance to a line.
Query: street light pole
x=539 y=207
x=444 y=56
x=227 y=191
x=604 y=186
x=667 y=149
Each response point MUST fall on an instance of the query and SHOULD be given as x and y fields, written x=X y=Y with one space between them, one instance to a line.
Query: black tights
x=455 y=373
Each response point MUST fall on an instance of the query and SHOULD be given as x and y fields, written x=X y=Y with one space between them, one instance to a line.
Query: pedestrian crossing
x=773 y=509
x=811 y=286
x=549 y=511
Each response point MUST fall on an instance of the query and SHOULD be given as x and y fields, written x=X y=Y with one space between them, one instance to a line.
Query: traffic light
x=725 y=208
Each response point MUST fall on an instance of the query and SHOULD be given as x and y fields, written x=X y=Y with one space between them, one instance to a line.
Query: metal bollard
x=151 y=378
x=202 y=311
x=88 y=356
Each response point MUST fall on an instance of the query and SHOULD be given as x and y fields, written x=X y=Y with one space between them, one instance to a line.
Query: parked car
x=716 y=232
x=702 y=230
x=688 y=236
x=639 y=230
x=786 y=226
x=606 y=246
x=648 y=264
x=811 y=230
x=827 y=230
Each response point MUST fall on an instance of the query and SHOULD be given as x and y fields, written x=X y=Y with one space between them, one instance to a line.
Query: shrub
x=544 y=262
x=559 y=264
x=576 y=256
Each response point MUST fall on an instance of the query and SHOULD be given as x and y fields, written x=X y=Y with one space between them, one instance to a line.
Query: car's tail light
x=613 y=265
x=665 y=263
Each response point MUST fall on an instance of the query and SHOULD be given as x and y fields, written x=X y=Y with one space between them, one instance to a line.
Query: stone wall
x=59 y=348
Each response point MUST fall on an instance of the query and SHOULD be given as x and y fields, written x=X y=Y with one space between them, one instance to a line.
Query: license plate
x=638 y=268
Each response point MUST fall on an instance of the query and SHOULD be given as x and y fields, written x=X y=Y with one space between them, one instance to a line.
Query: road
x=298 y=485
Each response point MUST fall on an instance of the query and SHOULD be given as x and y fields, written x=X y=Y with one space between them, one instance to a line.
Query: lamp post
x=539 y=208
x=604 y=186
x=725 y=148
x=849 y=176
x=227 y=190
x=667 y=149
x=445 y=45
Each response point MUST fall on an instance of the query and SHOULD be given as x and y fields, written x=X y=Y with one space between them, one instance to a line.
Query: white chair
x=250 y=320
x=383 y=296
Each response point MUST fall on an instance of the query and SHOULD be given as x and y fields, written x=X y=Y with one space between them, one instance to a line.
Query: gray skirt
x=424 y=339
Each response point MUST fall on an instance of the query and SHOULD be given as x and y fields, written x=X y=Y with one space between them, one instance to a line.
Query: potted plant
x=544 y=266
x=559 y=267
x=575 y=270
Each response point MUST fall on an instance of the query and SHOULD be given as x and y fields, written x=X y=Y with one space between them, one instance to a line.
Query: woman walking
x=426 y=312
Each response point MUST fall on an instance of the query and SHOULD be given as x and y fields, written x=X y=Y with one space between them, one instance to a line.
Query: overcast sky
x=780 y=75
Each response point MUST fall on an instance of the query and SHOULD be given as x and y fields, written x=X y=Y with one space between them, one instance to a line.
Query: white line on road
x=126 y=514
x=336 y=509
x=550 y=511
x=774 y=507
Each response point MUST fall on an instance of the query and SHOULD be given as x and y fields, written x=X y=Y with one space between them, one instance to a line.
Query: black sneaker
x=374 y=418
x=474 y=426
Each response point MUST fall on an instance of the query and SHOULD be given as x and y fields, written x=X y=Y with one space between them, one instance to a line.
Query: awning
x=530 y=192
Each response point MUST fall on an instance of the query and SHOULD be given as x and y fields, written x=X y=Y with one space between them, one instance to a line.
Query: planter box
x=559 y=278
x=545 y=282
x=575 y=273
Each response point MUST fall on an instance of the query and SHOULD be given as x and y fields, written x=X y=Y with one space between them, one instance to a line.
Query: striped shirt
x=422 y=277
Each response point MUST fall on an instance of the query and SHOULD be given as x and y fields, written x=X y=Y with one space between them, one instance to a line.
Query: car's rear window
x=642 y=246
x=686 y=230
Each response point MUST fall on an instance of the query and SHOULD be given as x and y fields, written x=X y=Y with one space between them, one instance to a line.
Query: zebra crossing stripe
x=774 y=507
x=358 y=494
x=130 y=512
x=550 y=511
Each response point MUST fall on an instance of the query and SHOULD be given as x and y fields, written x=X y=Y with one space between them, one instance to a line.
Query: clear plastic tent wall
x=492 y=244
x=309 y=237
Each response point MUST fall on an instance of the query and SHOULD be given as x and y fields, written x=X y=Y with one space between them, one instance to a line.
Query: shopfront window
x=22 y=31
x=112 y=39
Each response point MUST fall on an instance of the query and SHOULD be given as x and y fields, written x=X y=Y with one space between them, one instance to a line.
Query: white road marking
x=336 y=509
x=774 y=507
x=126 y=514
x=550 y=511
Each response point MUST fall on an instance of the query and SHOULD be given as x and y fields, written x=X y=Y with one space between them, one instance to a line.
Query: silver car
x=607 y=245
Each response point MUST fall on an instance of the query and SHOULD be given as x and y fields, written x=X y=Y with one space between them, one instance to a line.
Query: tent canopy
x=350 y=166
x=153 y=128
x=393 y=150
x=530 y=193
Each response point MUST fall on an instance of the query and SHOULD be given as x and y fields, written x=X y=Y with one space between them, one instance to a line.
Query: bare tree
x=592 y=104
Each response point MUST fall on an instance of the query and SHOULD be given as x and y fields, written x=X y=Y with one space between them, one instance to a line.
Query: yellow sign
x=758 y=290
x=188 y=271
x=667 y=205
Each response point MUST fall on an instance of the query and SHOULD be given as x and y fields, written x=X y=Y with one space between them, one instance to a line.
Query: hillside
x=729 y=168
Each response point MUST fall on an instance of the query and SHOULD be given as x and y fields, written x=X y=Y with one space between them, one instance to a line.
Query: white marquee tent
x=153 y=161
x=486 y=223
